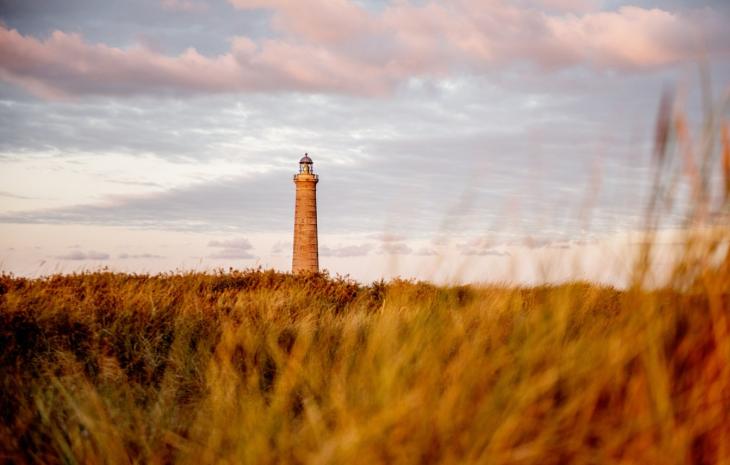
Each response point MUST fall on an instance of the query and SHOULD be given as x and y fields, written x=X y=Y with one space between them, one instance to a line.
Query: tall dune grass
x=259 y=367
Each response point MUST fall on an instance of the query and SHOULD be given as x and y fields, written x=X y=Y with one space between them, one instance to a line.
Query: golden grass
x=263 y=367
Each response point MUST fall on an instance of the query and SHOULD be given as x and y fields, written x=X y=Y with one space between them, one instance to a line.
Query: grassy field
x=259 y=367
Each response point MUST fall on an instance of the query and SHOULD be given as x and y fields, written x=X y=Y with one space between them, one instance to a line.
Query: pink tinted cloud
x=629 y=38
x=65 y=65
x=318 y=20
x=338 y=46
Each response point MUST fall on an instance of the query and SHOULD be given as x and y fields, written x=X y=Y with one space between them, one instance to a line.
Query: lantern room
x=305 y=165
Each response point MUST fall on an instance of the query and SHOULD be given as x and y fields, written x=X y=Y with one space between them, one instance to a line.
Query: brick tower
x=306 y=251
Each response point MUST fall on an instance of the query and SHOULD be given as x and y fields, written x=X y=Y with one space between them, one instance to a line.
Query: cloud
x=426 y=251
x=395 y=248
x=583 y=242
x=480 y=247
x=136 y=183
x=339 y=251
x=232 y=254
x=184 y=5
x=337 y=46
x=125 y=256
x=15 y=196
x=378 y=168
x=281 y=247
x=345 y=251
x=238 y=248
x=493 y=253
x=79 y=255
x=394 y=244
x=322 y=21
x=571 y=6
x=388 y=237
x=240 y=243
x=485 y=252
x=260 y=203
x=532 y=242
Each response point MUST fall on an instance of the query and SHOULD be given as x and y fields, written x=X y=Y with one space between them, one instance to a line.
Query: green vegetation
x=262 y=367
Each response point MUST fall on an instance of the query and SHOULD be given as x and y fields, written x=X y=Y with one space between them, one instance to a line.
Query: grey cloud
x=127 y=256
x=185 y=5
x=281 y=247
x=395 y=248
x=240 y=243
x=240 y=203
x=238 y=248
x=173 y=130
x=481 y=247
x=151 y=22
x=346 y=251
x=232 y=254
x=79 y=255
x=432 y=160
x=261 y=202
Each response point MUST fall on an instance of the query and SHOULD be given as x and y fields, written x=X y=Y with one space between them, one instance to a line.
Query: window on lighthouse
x=305 y=168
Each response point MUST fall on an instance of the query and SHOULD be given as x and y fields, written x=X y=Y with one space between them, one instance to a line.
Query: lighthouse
x=306 y=251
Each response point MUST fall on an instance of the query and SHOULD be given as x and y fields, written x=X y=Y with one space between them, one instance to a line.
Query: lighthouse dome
x=306 y=159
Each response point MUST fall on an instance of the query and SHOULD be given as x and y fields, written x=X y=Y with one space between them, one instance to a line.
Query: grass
x=264 y=367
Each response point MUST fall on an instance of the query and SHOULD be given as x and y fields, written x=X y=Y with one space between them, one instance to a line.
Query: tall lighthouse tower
x=306 y=251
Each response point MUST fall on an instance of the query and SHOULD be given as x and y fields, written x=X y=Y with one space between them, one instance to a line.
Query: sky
x=456 y=141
